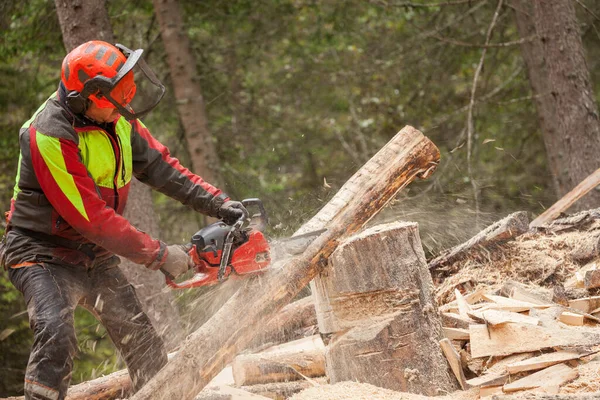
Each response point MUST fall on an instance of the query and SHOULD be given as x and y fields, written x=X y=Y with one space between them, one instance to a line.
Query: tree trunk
x=188 y=94
x=564 y=96
x=205 y=352
x=375 y=301
x=81 y=21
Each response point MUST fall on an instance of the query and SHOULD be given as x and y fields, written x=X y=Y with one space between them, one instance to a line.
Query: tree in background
x=563 y=93
x=188 y=94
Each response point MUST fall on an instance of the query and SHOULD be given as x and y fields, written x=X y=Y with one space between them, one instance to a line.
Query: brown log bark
x=499 y=232
x=563 y=92
x=407 y=156
x=188 y=94
x=287 y=362
x=375 y=301
x=287 y=324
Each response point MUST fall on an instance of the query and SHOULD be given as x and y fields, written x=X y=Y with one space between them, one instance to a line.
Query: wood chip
x=570 y=318
x=586 y=304
x=512 y=338
x=456 y=333
x=454 y=361
x=497 y=317
x=555 y=375
x=544 y=361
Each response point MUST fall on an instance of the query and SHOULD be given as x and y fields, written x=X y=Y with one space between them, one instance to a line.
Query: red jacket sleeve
x=154 y=165
x=74 y=195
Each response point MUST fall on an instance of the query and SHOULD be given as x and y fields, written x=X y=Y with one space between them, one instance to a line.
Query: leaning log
x=499 y=232
x=375 y=301
x=287 y=362
x=407 y=156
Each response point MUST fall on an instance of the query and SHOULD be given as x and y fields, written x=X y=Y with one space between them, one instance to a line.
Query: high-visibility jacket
x=73 y=181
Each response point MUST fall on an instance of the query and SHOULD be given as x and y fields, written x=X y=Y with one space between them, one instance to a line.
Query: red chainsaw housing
x=248 y=256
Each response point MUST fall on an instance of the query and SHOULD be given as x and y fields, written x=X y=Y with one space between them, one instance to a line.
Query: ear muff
x=77 y=103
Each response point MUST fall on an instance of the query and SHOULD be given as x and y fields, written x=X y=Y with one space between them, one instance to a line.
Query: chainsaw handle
x=263 y=219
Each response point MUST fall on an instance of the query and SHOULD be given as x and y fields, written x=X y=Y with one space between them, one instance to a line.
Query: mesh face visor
x=134 y=91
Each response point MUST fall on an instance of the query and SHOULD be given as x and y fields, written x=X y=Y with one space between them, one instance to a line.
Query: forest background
x=295 y=95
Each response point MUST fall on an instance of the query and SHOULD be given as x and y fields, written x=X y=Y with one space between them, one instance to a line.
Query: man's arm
x=153 y=165
x=74 y=195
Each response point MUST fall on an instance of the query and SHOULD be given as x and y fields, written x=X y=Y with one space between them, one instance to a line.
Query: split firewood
x=287 y=362
x=452 y=320
x=407 y=156
x=497 y=317
x=518 y=338
x=470 y=298
x=507 y=304
x=586 y=304
x=570 y=318
x=545 y=360
x=555 y=375
x=456 y=333
x=567 y=200
x=490 y=379
x=500 y=232
x=489 y=391
x=454 y=361
x=530 y=294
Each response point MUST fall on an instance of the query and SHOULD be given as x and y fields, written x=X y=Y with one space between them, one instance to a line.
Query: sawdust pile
x=364 y=391
x=546 y=260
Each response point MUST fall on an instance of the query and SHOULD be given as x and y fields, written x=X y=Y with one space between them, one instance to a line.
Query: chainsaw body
x=245 y=248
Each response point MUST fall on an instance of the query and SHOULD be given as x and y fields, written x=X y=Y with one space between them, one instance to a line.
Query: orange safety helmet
x=104 y=74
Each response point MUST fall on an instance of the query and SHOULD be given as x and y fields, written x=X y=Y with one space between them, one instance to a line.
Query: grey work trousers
x=52 y=292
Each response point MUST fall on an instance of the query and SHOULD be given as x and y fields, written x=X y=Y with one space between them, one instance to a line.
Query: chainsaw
x=220 y=251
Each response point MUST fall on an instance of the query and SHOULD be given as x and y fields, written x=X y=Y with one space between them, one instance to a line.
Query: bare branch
x=487 y=46
x=470 y=128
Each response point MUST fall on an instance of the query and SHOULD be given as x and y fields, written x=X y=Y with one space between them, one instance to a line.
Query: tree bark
x=563 y=93
x=499 y=232
x=188 y=94
x=287 y=324
x=82 y=21
x=407 y=156
x=287 y=362
x=375 y=301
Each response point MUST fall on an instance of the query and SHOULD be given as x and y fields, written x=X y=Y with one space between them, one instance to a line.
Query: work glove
x=177 y=261
x=231 y=211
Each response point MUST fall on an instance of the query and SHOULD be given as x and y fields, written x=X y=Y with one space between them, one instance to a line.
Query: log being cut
x=409 y=155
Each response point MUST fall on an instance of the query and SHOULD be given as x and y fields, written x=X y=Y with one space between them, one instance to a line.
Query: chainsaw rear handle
x=261 y=217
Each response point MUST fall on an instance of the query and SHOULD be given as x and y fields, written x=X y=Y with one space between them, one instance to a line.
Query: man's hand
x=177 y=261
x=231 y=211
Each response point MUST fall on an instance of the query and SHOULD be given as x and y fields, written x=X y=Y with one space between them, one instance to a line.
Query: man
x=65 y=229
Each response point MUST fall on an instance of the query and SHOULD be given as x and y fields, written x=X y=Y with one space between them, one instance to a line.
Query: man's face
x=102 y=115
